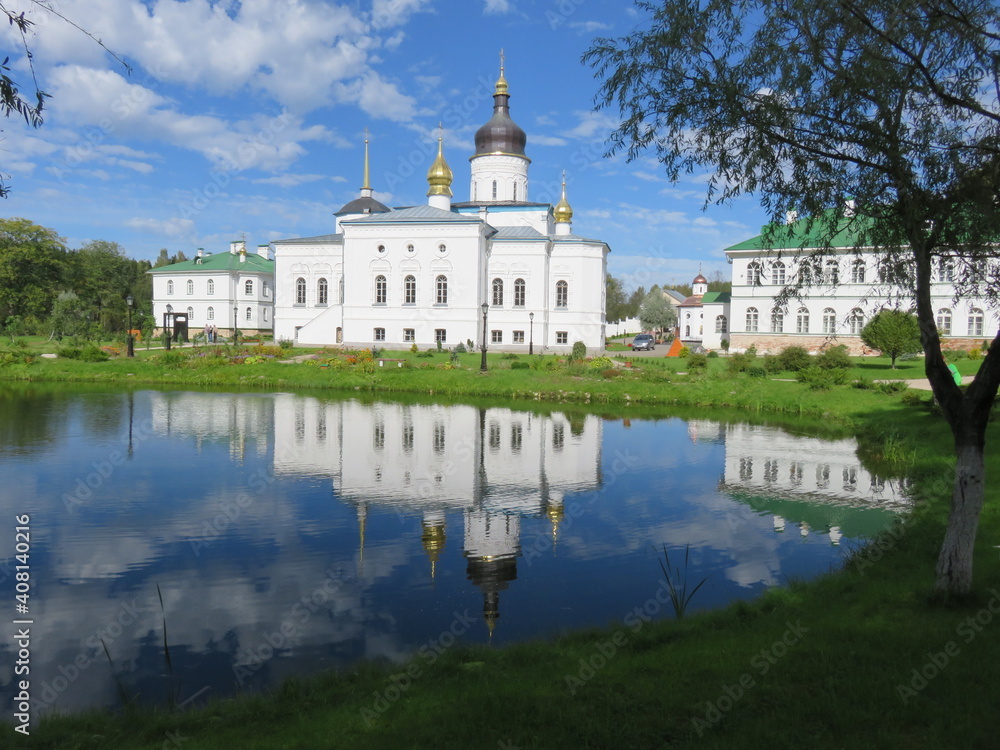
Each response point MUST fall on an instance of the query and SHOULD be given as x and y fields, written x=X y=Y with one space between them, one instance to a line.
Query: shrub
x=953 y=355
x=725 y=345
x=69 y=352
x=509 y=355
x=795 y=358
x=459 y=348
x=975 y=354
x=756 y=371
x=285 y=344
x=413 y=348
x=892 y=386
x=439 y=346
x=740 y=362
x=601 y=363
x=684 y=352
x=93 y=354
x=914 y=398
x=170 y=359
x=772 y=364
x=579 y=350
x=834 y=358
x=697 y=361
x=863 y=383
x=611 y=372
x=713 y=354
x=821 y=379
x=426 y=355
x=376 y=352
x=520 y=366
x=469 y=345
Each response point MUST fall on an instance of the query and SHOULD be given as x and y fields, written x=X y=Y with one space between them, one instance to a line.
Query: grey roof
x=363 y=206
x=518 y=233
x=675 y=294
x=318 y=240
x=488 y=204
x=414 y=214
x=574 y=238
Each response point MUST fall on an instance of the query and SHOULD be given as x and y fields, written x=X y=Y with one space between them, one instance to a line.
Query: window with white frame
x=190 y=312
x=975 y=322
x=753 y=274
x=518 y=337
x=831 y=272
x=300 y=291
x=519 y=292
x=264 y=312
x=829 y=321
x=170 y=286
x=210 y=313
x=381 y=290
x=441 y=290
x=379 y=334
x=856 y=321
x=248 y=287
x=211 y=286
x=944 y=321
x=440 y=334
x=496 y=337
x=497 y=292
x=752 y=319
x=946 y=270
x=778 y=273
x=562 y=294
x=249 y=313
x=410 y=290
x=858 y=271
x=562 y=337
x=190 y=286
x=721 y=324
x=322 y=292
x=409 y=334
x=777 y=320
x=802 y=320
x=266 y=289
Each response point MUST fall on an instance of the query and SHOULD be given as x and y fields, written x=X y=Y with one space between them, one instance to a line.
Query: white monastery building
x=424 y=274
x=220 y=289
x=845 y=293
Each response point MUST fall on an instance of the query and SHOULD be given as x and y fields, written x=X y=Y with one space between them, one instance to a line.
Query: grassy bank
x=826 y=664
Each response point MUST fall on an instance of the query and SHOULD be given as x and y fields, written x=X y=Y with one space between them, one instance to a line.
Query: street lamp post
x=236 y=320
x=130 y=350
x=531 y=333
x=482 y=365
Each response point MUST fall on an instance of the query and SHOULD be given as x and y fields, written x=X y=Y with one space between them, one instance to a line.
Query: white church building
x=451 y=272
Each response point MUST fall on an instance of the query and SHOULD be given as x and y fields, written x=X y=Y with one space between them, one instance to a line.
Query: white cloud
x=497 y=7
x=589 y=27
x=592 y=125
x=292 y=180
x=547 y=140
x=174 y=228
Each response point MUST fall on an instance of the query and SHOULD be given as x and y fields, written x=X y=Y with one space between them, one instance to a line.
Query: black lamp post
x=130 y=350
x=482 y=365
x=531 y=333
x=236 y=334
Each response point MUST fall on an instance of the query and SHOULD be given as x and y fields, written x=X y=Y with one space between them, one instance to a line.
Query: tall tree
x=32 y=260
x=892 y=332
x=802 y=103
x=615 y=301
x=656 y=313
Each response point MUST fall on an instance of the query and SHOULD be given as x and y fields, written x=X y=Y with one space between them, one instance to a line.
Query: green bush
x=975 y=354
x=600 y=363
x=426 y=355
x=697 y=361
x=772 y=363
x=460 y=348
x=509 y=355
x=520 y=366
x=822 y=378
x=579 y=350
x=756 y=371
x=713 y=354
x=171 y=358
x=69 y=352
x=684 y=352
x=834 y=358
x=285 y=344
x=93 y=354
x=741 y=362
x=892 y=386
x=863 y=383
x=795 y=358
x=413 y=348
x=915 y=398
x=954 y=355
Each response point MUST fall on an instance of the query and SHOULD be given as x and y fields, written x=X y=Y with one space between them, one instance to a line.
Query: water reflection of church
x=780 y=473
x=493 y=465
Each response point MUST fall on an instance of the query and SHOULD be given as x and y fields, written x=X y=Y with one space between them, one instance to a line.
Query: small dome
x=563 y=213
x=439 y=176
x=363 y=206
x=699 y=279
x=501 y=135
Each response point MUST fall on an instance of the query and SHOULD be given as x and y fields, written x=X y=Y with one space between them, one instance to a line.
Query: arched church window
x=190 y=312
x=410 y=290
x=248 y=287
x=211 y=313
x=494 y=189
x=322 y=292
x=562 y=294
x=778 y=273
x=752 y=318
x=190 y=286
x=856 y=321
x=802 y=321
x=829 y=321
x=519 y=292
x=211 y=286
x=441 y=290
x=170 y=287
x=300 y=291
x=777 y=320
x=944 y=321
x=753 y=274
x=497 y=292
x=975 y=322
x=381 y=290
x=720 y=323
x=249 y=313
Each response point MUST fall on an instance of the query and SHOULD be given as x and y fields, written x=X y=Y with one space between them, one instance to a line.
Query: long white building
x=427 y=274
x=846 y=291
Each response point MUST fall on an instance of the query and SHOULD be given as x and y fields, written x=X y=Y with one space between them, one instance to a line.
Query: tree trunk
x=954 y=565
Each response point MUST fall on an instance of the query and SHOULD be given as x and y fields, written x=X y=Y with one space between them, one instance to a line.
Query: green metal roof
x=224 y=261
x=804 y=233
x=710 y=297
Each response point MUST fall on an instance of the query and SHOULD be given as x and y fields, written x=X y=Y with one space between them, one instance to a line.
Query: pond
x=276 y=535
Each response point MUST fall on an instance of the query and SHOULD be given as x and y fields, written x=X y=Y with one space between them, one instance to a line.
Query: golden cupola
x=563 y=213
x=439 y=176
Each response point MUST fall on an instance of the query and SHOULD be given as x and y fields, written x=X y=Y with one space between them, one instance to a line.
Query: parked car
x=643 y=342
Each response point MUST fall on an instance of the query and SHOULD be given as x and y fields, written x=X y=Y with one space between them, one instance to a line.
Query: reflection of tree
x=30 y=416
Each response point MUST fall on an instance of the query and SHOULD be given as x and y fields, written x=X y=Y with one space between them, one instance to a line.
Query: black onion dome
x=501 y=134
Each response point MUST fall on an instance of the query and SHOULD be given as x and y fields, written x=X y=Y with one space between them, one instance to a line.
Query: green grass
x=818 y=664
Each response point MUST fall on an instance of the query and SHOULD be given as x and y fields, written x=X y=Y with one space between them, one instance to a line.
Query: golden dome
x=439 y=176
x=562 y=212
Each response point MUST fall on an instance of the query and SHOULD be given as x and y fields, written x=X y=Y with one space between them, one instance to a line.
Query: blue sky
x=249 y=118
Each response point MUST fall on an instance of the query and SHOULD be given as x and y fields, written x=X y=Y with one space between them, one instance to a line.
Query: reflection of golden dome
x=562 y=212
x=439 y=176
x=433 y=540
x=555 y=514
